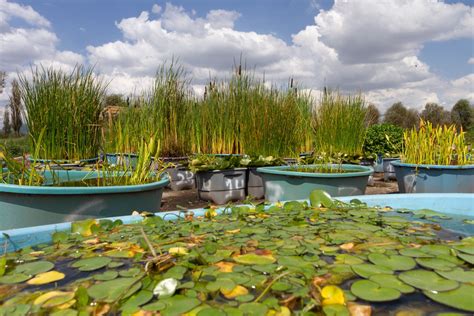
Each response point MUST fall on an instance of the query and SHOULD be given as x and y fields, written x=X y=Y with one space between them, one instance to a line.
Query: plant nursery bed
x=325 y=257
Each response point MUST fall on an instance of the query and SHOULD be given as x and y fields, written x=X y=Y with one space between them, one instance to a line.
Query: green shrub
x=383 y=139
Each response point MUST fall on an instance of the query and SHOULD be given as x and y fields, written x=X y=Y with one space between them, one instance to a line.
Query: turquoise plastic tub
x=282 y=184
x=413 y=178
x=454 y=204
x=23 y=206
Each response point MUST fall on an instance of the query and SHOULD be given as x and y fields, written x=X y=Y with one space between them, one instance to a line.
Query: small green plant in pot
x=435 y=160
x=219 y=179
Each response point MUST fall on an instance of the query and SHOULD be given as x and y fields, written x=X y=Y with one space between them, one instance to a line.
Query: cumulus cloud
x=471 y=61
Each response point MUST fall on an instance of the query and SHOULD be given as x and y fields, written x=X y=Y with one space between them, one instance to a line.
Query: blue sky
x=414 y=51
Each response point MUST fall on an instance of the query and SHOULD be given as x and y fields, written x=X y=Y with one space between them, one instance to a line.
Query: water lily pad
x=469 y=249
x=178 y=305
x=391 y=281
x=395 y=262
x=332 y=295
x=252 y=258
x=253 y=309
x=458 y=274
x=436 y=249
x=366 y=270
x=427 y=280
x=35 y=267
x=466 y=257
x=460 y=298
x=106 y=276
x=110 y=291
x=320 y=198
x=335 y=310
x=46 y=277
x=414 y=252
x=436 y=264
x=155 y=306
x=348 y=259
x=373 y=292
x=91 y=264
x=14 y=278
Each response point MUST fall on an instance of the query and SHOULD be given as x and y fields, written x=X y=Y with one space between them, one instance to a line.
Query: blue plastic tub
x=23 y=206
x=454 y=204
x=414 y=178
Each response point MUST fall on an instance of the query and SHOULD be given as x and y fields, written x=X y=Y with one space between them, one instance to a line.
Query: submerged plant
x=68 y=106
x=442 y=145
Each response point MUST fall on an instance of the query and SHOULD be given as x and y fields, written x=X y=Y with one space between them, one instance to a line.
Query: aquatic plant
x=383 y=139
x=339 y=123
x=441 y=145
x=68 y=105
x=325 y=257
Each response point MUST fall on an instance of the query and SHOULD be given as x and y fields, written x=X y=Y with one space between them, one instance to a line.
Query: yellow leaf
x=234 y=231
x=284 y=311
x=178 y=250
x=46 y=296
x=36 y=253
x=92 y=241
x=225 y=266
x=236 y=291
x=347 y=246
x=332 y=295
x=46 y=277
x=67 y=305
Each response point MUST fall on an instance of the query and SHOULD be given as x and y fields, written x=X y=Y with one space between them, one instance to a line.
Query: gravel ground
x=189 y=198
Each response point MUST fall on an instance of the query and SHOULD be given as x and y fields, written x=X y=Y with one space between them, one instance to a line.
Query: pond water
x=287 y=259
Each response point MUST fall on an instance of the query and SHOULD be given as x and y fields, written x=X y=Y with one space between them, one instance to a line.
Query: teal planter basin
x=130 y=160
x=451 y=204
x=413 y=178
x=22 y=206
x=283 y=184
x=64 y=163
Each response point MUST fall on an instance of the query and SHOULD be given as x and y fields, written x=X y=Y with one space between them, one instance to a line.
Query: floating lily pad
x=253 y=309
x=436 y=264
x=335 y=310
x=458 y=274
x=252 y=258
x=427 y=280
x=460 y=298
x=320 y=198
x=106 y=276
x=436 y=249
x=373 y=292
x=466 y=257
x=179 y=304
x=91 y=264
x=391 y=281
x=14 y=278
x=469 y=249
x=110 y=291
x=348 y=259
x=414 y=252
x=33 y=268
x=366 y=270
x=395 y=262
x=46 y=277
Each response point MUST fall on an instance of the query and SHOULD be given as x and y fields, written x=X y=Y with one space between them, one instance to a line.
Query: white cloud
x=156 y=9
x=9 y=10
x=471 y=61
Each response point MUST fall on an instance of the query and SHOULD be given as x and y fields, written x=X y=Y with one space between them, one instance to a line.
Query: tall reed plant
x=339 y=124
x=68 y=106
x=441 y=145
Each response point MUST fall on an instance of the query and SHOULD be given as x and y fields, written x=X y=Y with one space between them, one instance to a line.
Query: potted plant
x=383 y=143
x=219 y=179
x=435 y=160
x=66 y=107
x=255 y=187
x=325 y=173
x=31 y=196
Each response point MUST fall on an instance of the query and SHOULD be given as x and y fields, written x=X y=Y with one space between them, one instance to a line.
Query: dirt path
x=189 y=198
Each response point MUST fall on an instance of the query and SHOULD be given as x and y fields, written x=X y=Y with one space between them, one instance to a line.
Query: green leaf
x=14 y=278
x=252 y=258
x=335 y=310
x=427 y=280
x=253 y=309
x=110 y=291
x=106 y=276
x=414 y=252
x=320 y=198
x=34 y=268
x=466 y=257
x=179 y=304
x=460 y=298
x=392 y=282
x=396 y=263
x=458 y=274
x=83 y=227
x=91 y=264
x=436 y=264
x=366 y=270
x=469 y=249
x=373 y=292
x=3 y=265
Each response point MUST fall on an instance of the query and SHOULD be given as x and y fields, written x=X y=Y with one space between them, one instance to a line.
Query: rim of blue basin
x=284 y=171
x=121 y=154
x=30 y=236
x=398 y=163
x=50 y=190
x=63 y=161
x=222 y=170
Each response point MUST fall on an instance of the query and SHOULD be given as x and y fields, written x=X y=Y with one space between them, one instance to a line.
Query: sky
x=413 y=51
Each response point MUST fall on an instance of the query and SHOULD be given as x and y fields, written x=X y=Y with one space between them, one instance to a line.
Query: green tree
x=399 y=115
x=462 y=114
x=16 y=108
x=436 y=114
x=115 y=100
x=7 y=128
x=372 y=116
